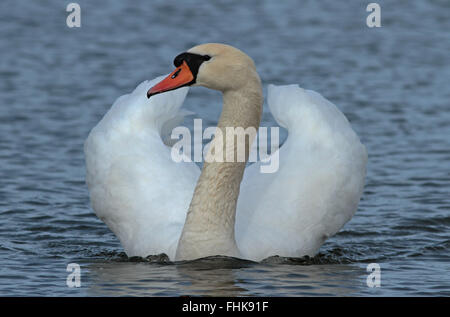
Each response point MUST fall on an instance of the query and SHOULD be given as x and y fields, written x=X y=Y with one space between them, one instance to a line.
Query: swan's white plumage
x=317 y=187
x=135 y=187
x=143 y=196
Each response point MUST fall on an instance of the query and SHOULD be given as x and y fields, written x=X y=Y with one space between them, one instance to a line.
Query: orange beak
x=180 y=77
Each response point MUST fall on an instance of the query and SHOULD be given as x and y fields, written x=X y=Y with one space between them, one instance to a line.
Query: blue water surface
x=391 y=82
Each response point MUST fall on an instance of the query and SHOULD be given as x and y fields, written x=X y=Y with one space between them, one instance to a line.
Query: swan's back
x=317 y=187
x=135 y=186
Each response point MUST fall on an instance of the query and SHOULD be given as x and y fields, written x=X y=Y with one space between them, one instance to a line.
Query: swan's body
x=144 y=196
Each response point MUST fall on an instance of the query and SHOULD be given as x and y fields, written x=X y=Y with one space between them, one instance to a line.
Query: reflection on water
x=221 y=276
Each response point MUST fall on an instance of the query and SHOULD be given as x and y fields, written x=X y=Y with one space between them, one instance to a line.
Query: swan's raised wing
x=317 y=187
x=135 y=186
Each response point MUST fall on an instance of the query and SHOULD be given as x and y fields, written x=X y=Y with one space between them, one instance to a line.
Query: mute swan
x=155 y=205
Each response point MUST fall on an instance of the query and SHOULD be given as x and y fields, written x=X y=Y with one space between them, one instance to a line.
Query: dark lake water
x=391 y=82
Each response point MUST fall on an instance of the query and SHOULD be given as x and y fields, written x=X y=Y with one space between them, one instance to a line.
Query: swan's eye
x=206 y=57
x=176 y=73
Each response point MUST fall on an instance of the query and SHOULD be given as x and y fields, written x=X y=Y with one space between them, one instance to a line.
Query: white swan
x=155 y=205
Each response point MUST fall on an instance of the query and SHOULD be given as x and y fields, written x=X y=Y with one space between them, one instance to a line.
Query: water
x=391 y=82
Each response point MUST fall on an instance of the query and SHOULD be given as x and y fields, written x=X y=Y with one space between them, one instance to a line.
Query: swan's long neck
x=209 y=226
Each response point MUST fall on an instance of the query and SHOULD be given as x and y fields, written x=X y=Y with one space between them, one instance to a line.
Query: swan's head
x=215 y=66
